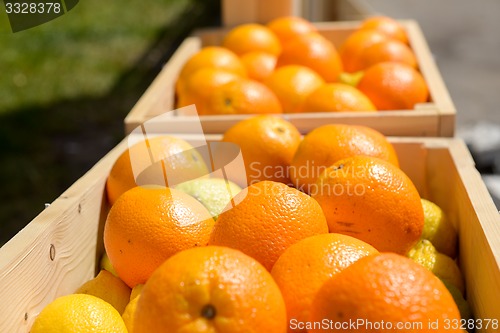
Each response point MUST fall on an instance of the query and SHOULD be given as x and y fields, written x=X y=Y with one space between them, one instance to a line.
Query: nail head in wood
x=52 y=252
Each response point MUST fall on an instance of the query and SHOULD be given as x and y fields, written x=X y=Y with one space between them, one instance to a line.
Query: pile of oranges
x=315 y=241
x=287 y=66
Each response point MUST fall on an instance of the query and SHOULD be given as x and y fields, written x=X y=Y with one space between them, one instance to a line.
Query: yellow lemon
x=136 y=291
x=351 y=79
x=438 y=229
x=440 y=264
x=462 y=304
x=213 y=193
x=109 y=288
x=107 y=265
x=128 y=314
x=79 y=313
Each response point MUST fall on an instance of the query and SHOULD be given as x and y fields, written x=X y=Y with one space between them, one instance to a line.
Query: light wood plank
x=55 y=253
x=456 y=186
x=437 y=89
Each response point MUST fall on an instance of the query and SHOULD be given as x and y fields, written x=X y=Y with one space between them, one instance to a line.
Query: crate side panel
x=439 y=94
x=57 y=251
x=59 y=259
x=463 y=196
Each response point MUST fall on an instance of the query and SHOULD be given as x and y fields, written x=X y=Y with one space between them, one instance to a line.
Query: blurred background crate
x=236 y=12
x=434 y=118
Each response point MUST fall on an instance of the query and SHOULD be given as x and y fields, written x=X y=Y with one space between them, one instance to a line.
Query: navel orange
x=315 y=52
x=267 y=144
x=259 y=65
x=393 y=86
x=382 y=293
x=386 y=25
x=337 y=97
x=306 y=265
x=267 y=219
x=146 y=226
x=288 y=27
x=242 y=97
x=210 y=289
x=201 y=85
x=372 y=200
x=252 y=37
x=384 y=51
x=292 y=84
x=328 y=144
x=214 y=57
x=352 y=48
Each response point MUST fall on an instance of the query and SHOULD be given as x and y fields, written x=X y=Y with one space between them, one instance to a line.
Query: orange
x=335 y=97
x=288 y=27
x=387 y=26
x=387 y=50
x=355 y=45
x=259 y=65
x=303 y=268
x=292 y=84
x=267 y=144
x=146 y=226
x=267 y=219
x=394 y=86
x=211 y=56
x=314 y=51
x=210 y=289
x=328 y=144
x=385 y=289
x=178 y=154
x=242 y=97
x=372 y=200
x=199 y=87
x=252 y=37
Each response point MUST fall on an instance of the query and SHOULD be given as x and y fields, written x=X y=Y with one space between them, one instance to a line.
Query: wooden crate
x=435 y=118
x=236 y=12
x=59 y=249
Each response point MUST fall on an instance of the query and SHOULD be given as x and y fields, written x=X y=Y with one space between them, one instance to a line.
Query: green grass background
x=80 y=53
x=67 y=85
